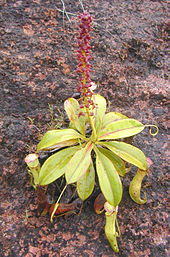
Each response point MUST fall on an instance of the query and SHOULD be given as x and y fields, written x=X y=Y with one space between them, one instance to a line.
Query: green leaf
x=58 y=138
x=85 y=184
x=109 y=180
x=117 y=162
x=120 y=129
x=55 y=166
x=99 y=111
x=127 y=152
x=79 y=164
x=72 y=109
x=112 y=116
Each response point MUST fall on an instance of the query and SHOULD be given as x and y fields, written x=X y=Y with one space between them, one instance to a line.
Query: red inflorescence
x=83 y=56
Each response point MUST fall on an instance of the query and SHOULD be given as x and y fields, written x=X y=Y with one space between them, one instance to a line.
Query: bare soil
x=37 y=68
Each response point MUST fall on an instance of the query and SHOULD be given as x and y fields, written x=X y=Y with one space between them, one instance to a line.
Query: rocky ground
x=37 y=73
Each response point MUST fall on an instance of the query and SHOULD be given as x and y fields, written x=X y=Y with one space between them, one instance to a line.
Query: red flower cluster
x=83 y=56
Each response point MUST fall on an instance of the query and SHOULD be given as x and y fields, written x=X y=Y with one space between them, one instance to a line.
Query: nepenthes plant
x=94 y=145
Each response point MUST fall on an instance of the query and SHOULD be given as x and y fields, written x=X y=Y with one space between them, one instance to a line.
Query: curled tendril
x=135 y=187
x=150 y=130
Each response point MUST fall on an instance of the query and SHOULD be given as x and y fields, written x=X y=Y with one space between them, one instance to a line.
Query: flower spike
x=83 y=57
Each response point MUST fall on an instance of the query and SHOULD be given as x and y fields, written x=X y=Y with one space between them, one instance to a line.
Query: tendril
x=150 y=130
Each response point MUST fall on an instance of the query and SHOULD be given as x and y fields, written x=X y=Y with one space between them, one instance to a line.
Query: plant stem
x=56 y=204
x=92 y=124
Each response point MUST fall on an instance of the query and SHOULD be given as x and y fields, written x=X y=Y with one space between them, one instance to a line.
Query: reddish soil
x=37 y=68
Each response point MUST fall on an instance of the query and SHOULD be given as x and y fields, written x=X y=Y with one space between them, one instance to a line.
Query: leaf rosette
x=75 y=145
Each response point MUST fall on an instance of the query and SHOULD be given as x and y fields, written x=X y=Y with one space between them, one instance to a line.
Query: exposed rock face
x=37 y=68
